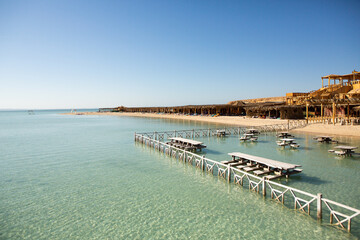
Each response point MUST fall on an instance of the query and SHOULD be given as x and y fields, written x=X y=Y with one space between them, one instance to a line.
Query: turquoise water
x=83 y=177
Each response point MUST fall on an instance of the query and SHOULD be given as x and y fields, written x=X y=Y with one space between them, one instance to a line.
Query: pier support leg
x=264 y=187
x=319 y=207
x=229 y=173
x=331 y=218
x=202 y=163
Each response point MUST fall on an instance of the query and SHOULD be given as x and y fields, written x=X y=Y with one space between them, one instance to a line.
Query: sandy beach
x=324 y=129
x=329 y=129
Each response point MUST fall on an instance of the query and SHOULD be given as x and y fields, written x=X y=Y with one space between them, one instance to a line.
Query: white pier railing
x=290 y=197
x=207 y=132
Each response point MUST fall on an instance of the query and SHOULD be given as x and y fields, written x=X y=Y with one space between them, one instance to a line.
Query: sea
x=84 y=177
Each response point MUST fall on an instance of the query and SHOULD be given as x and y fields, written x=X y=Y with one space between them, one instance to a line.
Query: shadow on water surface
x=248 y=144
x=311 y=179
x=306 y=148
x=303 y=178
x=209 y=151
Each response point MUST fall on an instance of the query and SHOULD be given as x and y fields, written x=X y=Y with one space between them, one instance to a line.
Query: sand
x=329 y=129
x=228 y=120
x=318 y=128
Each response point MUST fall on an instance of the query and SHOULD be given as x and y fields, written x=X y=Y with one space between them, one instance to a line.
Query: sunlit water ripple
x=67 y=177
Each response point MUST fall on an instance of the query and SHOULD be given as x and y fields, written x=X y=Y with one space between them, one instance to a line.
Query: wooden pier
x=344 y=151
x=287 y=142
x=249 y=137
x=284 y=135
x=262 y=166
x=325 y=139
x=340 y=215
x=187 y=144
x=221 y=133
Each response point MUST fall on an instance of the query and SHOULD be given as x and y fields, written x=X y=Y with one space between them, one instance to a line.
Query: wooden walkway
x=265 y=166
x=340 y=215
x=187 y=144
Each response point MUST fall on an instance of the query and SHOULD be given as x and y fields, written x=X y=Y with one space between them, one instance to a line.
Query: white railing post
x=319 y=206
x=202 y=163
x=229 y=173
x=264 y=187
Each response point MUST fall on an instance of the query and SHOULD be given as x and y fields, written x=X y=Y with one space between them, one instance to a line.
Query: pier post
x=193 y=133
x=264 y=187
x=229 y=173
x=202 y=163
x=319 y=206
x=331 y=217
x=135 y=136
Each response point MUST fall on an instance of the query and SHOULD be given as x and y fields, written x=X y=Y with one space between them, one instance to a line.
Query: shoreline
x=324 y=129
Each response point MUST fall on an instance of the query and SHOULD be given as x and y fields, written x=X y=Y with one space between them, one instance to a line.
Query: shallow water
x=65 y=177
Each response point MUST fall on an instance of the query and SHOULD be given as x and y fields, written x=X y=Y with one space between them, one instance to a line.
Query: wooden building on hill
x=337 y=98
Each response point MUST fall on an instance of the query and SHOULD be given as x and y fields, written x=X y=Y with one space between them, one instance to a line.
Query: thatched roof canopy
x=352 y=76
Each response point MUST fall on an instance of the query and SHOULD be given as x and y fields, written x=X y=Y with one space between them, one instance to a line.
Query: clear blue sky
x=84 y=54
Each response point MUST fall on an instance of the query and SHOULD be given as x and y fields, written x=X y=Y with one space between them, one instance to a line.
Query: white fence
x=193 y=133
x=291 y=197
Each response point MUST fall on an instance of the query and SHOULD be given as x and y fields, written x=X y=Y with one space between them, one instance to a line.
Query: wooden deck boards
x=265 y=161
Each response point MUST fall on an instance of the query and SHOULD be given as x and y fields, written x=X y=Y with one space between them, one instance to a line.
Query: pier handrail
x=255 y=182
x=341 y=205
x=293 y=189
x=291 y=124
